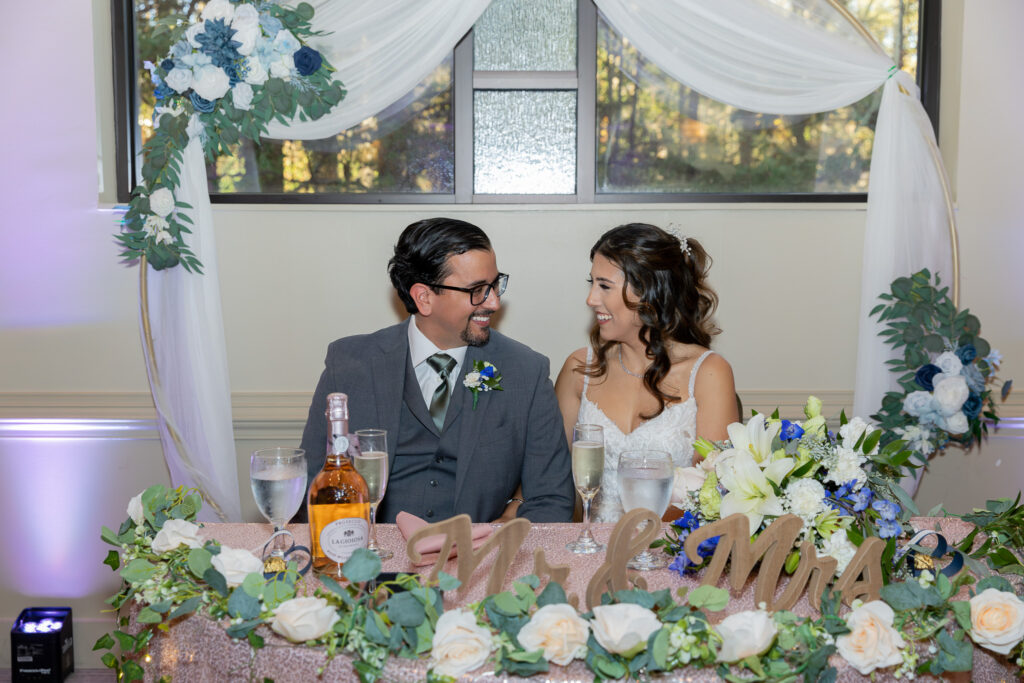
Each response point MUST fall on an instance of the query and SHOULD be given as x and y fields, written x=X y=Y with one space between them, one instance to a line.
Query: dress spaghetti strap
x=696 y=367
x=586 y=377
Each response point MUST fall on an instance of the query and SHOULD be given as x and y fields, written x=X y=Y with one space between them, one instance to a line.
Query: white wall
x=294 y=278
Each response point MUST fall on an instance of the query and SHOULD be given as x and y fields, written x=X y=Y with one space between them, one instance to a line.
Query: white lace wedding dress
x=673 y=431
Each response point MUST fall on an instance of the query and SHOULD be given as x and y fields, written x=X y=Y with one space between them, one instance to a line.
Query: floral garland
x=224 y=79
x=171 y=571
x=946 y=369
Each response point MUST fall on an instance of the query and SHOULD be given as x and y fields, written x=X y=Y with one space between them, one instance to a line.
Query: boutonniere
x=482 y=377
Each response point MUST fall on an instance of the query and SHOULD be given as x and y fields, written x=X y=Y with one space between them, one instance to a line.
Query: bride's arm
x=715 y=392
x=569 y=390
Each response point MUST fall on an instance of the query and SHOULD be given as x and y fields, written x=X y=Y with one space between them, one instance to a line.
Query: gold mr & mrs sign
x=862 y=578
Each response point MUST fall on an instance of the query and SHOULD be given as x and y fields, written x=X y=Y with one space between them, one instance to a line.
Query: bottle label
x=339 y=444
x=340 y=538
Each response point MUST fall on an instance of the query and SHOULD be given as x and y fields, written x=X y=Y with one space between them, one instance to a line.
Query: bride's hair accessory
x=684 y=245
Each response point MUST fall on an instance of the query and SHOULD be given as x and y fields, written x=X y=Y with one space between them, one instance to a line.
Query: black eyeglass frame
x=500 y=284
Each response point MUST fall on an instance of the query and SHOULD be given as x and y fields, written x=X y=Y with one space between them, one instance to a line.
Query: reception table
x=196 y=649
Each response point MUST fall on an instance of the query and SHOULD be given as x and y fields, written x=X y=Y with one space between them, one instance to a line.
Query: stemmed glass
x=645 y=480
x=371 y=461
x=587 y=470
x=278 y=479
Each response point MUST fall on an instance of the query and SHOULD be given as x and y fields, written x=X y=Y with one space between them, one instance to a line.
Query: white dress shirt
x=420 y=349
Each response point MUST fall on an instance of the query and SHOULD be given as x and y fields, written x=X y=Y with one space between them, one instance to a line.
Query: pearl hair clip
x=684 y=245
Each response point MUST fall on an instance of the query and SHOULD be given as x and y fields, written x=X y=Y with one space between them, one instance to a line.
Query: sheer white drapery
x=759 y=56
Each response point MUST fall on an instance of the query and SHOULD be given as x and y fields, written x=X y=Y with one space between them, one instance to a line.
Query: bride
x=647 y=377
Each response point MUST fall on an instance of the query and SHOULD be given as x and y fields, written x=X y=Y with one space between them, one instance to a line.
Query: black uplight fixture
x=42 y=646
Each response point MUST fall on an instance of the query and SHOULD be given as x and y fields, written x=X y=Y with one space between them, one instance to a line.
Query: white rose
x=247 y=36
x=161 y=201
x=135 y=510
x=245 y=15
x=687 y=480
x=211 y=82
x=194 y=30
x=195 y=127
x=255 y=72
x=241 y=95
x=949 y=363
x=285 y=43
x=997 y=620
x=955 y=423
x=174 y=533
x=460 y=644
x=179 y=79
x=745 y=634
x=282 y=68
x=235 y=564
x=623 y=629
x=872 y=643
x=559 y=631
x=302 y=619
x=218 y=9
x=950 y=394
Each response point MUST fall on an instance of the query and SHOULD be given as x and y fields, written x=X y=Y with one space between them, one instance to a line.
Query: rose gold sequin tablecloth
x=196 y=650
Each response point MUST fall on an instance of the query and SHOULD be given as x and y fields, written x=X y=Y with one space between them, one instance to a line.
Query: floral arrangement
x=483 y=376
x=945 y=371
x=226 y=77
x=843 y=486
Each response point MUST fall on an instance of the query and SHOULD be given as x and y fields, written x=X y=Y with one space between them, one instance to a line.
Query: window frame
x=128 y=143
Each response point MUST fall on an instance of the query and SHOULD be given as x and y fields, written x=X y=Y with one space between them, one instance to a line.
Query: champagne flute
x=278 y=479
x=371 y=461
x=587 y=470
x=645 y=479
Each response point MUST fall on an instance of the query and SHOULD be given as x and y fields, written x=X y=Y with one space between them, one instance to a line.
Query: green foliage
x=1001 y=524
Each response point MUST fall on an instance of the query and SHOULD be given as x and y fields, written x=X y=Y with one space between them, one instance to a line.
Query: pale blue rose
x=949 y=363
x=179 y=79
x=287 y=44
x=918 y=402
x=975 y=380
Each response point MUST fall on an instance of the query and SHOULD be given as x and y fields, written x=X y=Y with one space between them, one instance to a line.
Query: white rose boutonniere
x=176 y=532
x=302 y=619
x=872 y=642
x=997 y=620
x=623 y=629
x=161 y=202
x=460 y=644
x=745 y=634
x=483 y=376
x=135 y=509
x=235 y=564
x=559 y=631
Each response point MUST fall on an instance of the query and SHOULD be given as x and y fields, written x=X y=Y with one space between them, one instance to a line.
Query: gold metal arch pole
x=940 y=169
x=154 y=380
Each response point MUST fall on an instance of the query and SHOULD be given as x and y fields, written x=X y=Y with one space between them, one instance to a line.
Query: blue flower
x=488 y=370
x=688 y=522
x=886 y=508
x=215 y=41
x=967 y=353
x=200 y=104
x=270 y=25
x=162 y=90
x=972 y=406
x=707 y=548
x=888 y=528
x=790 y=430
x=924 y=376
x=975 y=380
x=180 y=49
x=861 y=499
x=307 y=60
x=167 y=64
x=681 y=564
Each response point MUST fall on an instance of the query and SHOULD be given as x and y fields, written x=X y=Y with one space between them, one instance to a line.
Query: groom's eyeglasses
x=479 y=294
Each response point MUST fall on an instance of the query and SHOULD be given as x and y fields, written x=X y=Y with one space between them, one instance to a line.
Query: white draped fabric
x=754 y=55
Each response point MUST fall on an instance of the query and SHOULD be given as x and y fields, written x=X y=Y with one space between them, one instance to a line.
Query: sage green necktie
x=442 y=364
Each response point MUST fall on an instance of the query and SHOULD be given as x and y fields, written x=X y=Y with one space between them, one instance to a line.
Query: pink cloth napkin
x=430 y=546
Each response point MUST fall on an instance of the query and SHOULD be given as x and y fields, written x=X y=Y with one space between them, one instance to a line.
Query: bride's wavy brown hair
x=675 y=302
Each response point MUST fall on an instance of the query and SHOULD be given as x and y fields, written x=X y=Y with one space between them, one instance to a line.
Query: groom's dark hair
x=423 y=249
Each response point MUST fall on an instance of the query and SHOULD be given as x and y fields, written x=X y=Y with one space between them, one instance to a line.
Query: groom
x=446 y=455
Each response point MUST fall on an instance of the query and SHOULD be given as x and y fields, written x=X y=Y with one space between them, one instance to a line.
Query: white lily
x=750 y=490
x=755 y=438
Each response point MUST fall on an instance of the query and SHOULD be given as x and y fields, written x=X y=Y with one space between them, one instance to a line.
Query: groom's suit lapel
x=473 y=421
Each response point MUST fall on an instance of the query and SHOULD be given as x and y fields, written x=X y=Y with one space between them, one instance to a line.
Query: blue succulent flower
x=888 y=528
x=967 y=353
x=215 y=41
x=307 y=60
x=886 y=508
x=790 y=430
x=975 y=380
x=200 y=104
x=180 y=49
x=925 y=374
x=972 y=406
x=861 y=499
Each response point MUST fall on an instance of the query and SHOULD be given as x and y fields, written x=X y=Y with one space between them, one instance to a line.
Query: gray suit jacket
x=513 y=436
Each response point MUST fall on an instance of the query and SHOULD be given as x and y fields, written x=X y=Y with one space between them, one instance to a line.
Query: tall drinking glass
x=371 y=462
x=587 y=470
x=278 y=479
x=645 y=480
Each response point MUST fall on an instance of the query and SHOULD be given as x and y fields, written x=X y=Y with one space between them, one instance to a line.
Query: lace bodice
x=673 y=431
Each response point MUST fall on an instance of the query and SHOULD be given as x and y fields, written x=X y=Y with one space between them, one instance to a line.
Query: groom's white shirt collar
x=420 y=349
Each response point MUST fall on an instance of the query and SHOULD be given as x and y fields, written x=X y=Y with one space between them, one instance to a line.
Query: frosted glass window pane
x=524 y=142
x=526 y=35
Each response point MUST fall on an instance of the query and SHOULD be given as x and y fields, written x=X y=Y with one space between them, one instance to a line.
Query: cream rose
x=460 y=644
x=872 y=643
x=687 y=480
x=235 y=564
x=745 y=634
x=161 y=201
x=135 y=510
x=559 y=631
x=623 y=629
x=176 y=532
x=211 y=82
x=997 y=620
x=302 y=619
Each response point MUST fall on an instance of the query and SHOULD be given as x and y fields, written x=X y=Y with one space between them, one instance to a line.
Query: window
x=545 y=101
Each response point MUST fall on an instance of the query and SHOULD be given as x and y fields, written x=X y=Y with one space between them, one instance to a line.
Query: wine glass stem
x=586 y=517
x=373 y=526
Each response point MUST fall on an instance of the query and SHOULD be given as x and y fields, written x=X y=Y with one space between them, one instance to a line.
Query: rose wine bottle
x=339 y=503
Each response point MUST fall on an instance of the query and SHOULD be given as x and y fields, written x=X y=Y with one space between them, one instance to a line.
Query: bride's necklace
x=624 y=368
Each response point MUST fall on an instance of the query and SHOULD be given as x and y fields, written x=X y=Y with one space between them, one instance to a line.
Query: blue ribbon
x=941 y=549
x=288 y=554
